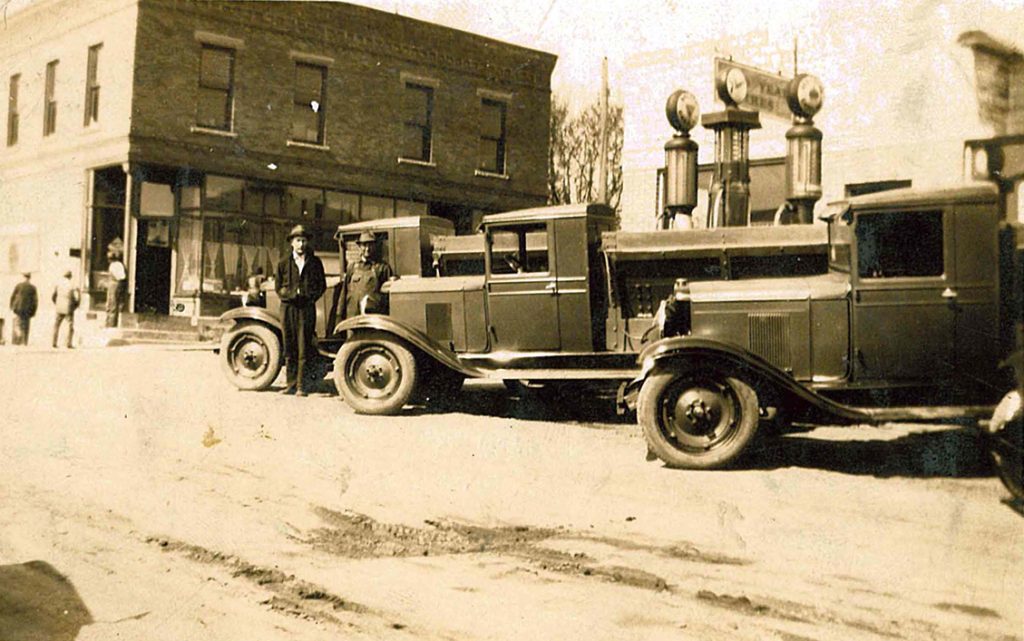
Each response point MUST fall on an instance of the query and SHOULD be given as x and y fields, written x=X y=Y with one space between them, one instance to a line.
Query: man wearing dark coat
x=24 y=302
x=300 y=282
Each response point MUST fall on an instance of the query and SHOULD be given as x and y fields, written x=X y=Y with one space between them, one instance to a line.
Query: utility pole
x=602 y=168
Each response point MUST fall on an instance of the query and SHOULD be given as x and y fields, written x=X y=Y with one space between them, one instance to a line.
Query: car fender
x=734 y=360
x=257 y=314
x=428 y=346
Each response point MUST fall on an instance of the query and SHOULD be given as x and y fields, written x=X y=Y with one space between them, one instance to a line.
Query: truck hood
x=822 y=287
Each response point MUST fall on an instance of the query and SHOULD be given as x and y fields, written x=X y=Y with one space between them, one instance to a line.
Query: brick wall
x=369 y=51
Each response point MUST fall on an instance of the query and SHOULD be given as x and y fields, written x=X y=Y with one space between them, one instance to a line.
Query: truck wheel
x=695 y=420
x=250 y=356
x=375 y=375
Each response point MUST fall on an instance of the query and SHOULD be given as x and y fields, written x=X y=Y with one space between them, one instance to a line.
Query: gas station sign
x=765 y=92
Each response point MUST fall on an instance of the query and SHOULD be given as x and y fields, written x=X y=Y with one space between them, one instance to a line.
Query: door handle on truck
x=552 y=288
x=949 y=293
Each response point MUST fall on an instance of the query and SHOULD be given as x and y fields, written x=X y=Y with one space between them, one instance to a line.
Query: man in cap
x=300 y=283
x=65 y=299
x=24 y=302
x=365 y=278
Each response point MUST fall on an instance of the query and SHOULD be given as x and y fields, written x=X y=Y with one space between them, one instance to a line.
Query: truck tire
x=375 y=374
x=250 y=356
x=697 y=420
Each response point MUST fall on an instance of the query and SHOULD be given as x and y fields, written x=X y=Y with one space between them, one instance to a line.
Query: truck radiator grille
x=769 y=339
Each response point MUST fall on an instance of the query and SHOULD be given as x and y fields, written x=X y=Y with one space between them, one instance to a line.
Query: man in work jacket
x=300 y=283
x=364 y=280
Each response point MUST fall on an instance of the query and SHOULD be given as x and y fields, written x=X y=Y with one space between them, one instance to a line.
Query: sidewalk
x=91 y=333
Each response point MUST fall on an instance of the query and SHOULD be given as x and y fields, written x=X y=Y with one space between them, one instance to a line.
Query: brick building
x=198 y=133
x=906 y=83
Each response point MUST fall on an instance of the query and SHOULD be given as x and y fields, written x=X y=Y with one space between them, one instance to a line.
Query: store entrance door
x=153 y=267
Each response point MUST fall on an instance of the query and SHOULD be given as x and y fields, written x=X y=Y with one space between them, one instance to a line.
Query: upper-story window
x=49 y=99
x=491 y=155
x=308 y=116
x=12 y=110
x=92 y=86
x=216 y=88
x=417 y=133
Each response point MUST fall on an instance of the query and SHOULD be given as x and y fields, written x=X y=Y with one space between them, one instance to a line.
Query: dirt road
x=143 y=498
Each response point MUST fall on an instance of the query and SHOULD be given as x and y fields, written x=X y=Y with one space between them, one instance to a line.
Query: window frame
x=426 y=128
x=522 y=231
x=12 y=109
x=92 y=86
x=50 y=99
x=229 y=91
x=883 y=277
x=321 y=138
x=501 y=142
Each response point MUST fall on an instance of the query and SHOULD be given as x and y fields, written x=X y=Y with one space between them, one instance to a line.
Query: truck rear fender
x=372 y=323
x=772 y=384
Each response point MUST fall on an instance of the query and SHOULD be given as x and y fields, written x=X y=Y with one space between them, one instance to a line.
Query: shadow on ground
x=592 y=407
x=952 y=453
x=38 y=603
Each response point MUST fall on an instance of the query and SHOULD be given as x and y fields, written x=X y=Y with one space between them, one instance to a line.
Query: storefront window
x=186 y=278
x=375 y=208
x=342 y=207
x=410 y=208
x=305 y=203
x=223 y=194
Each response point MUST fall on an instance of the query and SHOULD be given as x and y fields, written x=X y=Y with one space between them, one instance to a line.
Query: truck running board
x=929 y=414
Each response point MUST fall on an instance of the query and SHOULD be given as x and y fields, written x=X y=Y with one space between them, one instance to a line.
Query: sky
x=582 y=32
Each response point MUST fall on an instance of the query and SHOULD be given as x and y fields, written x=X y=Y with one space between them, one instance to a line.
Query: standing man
x=364 y=280
x=24 y=302
x=65 y=298
x=116 y=285
x=300 y=283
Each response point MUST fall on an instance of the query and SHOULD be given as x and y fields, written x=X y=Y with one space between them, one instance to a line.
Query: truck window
x=900 y=244
x=519 y=250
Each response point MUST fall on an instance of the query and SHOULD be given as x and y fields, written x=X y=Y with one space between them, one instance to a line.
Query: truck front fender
x=730 y=359
x=258 y=314
x=381 y=323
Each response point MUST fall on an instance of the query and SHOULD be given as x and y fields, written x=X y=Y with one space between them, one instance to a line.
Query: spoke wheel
x=375 y=375
x=250 y=356
x=697 y=420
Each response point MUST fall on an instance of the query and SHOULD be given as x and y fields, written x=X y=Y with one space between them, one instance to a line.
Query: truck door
x=974 y=293
x=903 y=312
x=522 y=301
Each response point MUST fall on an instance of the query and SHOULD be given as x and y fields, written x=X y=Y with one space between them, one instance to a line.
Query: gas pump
x=680 y=161
x=803 y=147
x=730 y=187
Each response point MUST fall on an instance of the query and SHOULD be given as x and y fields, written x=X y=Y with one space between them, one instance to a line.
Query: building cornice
x=491 y=60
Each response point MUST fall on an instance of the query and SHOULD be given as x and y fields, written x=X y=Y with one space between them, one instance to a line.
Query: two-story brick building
x=198 y=133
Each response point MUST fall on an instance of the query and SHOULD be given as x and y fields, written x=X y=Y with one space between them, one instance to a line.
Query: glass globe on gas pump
x=680 y=161
x=805 y=96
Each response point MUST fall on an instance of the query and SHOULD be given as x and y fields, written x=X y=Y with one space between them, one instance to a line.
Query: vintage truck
x=901 y=306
